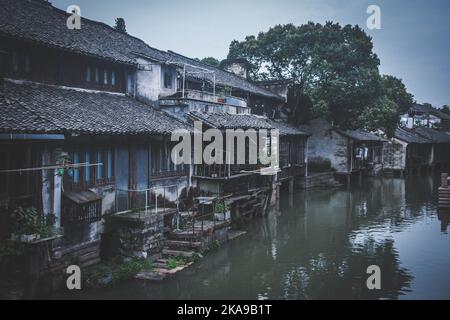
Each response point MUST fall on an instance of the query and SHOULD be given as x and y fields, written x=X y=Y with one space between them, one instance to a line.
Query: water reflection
x=318 y=245
x=444 y=217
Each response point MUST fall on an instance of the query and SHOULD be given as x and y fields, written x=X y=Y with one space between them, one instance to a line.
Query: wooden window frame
x=105 y=79
x=93 y=170
x=161 y=163
x=168 y=76
x=88 y=74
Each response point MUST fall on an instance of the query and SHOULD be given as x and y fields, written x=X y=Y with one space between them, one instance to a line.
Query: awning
x=82 y=197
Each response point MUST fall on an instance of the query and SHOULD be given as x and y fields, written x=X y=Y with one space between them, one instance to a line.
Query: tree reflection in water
x=318 y=246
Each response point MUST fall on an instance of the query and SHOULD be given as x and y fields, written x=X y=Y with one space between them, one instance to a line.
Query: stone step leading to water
x=182 y=245
x=178 y=253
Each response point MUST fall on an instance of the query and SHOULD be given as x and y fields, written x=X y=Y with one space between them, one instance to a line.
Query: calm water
x=318 y=246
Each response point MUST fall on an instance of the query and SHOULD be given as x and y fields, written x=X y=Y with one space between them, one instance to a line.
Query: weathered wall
x=83 y=233
x=210 y=97
x=395 y=155
x=108 y=194
x=237 y=68
x=138 y=236
x=170 y=188
x=150 y=81
x=325 y=143
x=208 y=186
x=181 y=106
x=429 y=121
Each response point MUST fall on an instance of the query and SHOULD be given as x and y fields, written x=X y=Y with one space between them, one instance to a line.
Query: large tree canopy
x=211 y=61
x=333 y=70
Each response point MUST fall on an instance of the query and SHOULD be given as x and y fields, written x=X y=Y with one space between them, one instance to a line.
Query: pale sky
x=413 y=44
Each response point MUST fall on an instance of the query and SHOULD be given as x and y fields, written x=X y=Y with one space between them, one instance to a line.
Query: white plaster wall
x=108 y=195
x=165 y=92
x=171 y=193
x=325 y=143
x=148 y=81
x=412 y=122
x=237 y=69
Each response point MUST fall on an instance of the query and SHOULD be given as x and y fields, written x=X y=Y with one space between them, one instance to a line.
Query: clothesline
x=77 y=165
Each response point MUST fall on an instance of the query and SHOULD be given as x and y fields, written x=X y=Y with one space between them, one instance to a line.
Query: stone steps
x=185 y=236
x=182 y=245
x=177 y=253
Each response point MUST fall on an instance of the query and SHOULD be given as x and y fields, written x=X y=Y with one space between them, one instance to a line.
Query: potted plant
x=222 y=211
x=28 y=227
x=221 y=99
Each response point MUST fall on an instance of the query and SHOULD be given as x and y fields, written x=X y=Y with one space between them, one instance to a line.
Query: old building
x=86 y=119
x=347 y=152
x=417 y=150
x=293 y=154
x=74 y=155
x=420 y=115
x=407 y=152
x=441 y=146
x=76 y=145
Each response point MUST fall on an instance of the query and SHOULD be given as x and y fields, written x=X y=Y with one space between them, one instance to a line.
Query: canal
x=318 y=245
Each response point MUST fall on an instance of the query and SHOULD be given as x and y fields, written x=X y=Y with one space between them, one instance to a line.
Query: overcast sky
x=413 y=44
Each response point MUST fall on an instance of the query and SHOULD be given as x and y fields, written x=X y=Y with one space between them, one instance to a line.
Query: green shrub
x=221 y=207
x=214 y=245
x=172 y=263
x=116 y=270
x=27 y=221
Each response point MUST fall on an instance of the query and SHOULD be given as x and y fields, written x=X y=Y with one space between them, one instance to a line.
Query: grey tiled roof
x=433 y=111
x=231 y=121
x=433 y=135
x=422 y=135
x=286 y=129
x=410 y=136
x=245 y=121
x=360 y=135
x=36 y=108
x=38 y=22
x=223 y=78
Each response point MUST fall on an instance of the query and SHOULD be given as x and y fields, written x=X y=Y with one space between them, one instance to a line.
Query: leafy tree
x=333 y=71
x=446 y=109
x=396 y=91
x=382 y=114
x=211 y=61
x=120 y=25
x=299 y=106
x=385 y=111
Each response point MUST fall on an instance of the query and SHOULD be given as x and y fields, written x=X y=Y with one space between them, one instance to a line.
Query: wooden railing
x=199 y=217
x=223 y=170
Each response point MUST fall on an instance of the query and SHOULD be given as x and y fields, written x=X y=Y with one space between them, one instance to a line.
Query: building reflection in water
x=316 y=245
x=444 y=217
